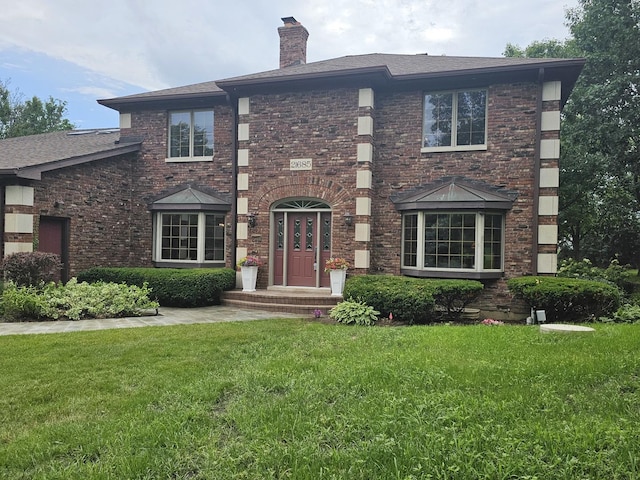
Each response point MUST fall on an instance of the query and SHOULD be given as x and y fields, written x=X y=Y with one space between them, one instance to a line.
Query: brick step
x=302 y=303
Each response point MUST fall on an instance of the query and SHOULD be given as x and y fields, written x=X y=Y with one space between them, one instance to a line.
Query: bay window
x=462 y=242
x=190 y=238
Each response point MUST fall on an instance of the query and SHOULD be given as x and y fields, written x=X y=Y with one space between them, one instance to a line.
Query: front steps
x=301 y=301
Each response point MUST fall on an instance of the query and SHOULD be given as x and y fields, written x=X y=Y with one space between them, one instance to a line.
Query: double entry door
x=302 y=246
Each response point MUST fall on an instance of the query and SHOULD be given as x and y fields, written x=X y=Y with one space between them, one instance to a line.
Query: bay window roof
x=455 y=193
x=191 y=199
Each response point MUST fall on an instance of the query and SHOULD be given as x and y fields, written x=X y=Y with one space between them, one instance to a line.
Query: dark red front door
x=52 y=239
x=302 y=249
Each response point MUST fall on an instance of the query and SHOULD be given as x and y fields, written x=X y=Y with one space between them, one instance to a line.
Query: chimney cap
x=289 y=21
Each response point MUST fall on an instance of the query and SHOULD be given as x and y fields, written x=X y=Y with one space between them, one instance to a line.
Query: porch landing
x=301 y=301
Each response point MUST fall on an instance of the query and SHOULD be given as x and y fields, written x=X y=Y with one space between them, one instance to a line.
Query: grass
x=302 y=400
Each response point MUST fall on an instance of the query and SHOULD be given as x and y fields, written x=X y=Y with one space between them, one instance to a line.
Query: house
x=443 y=167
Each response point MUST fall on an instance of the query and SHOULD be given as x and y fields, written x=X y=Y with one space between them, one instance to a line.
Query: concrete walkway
x=166 y=316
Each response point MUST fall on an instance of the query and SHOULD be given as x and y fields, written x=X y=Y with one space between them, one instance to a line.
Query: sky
x=80 y=51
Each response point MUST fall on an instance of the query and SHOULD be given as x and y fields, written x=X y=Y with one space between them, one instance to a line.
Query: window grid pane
x=438 y=113
x=492 y=258
x=449 y=240
x=178 y=240
x=203 y=134
x=471 y=115
x=410 y=247
x=179 y=132
x=214 y=238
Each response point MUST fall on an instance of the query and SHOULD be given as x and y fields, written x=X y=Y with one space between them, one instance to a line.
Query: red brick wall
x=322 y=125
x=105 y=216
x=508 y=162
x=107 y=200
x=155 y=177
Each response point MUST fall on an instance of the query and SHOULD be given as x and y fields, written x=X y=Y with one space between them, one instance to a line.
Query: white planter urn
x=249 y=277
x=338 y=278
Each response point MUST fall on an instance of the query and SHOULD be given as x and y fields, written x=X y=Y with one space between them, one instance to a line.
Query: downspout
x=536 y=173
x=233 y=103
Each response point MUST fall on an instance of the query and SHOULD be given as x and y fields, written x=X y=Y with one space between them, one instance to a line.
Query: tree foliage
x=600 y=156
x=19 y=118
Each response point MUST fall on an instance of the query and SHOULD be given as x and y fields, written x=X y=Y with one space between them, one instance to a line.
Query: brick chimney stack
x=293 y=43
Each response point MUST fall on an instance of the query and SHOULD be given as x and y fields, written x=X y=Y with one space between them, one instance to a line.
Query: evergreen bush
x=413 y=300
x=567 y=299
x=171 y=287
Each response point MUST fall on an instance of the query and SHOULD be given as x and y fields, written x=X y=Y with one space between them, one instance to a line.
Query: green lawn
x=303 y=400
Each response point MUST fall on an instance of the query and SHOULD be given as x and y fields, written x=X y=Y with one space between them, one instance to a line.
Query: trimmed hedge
x=171 y=287
x=567 y=299
x=414 y=300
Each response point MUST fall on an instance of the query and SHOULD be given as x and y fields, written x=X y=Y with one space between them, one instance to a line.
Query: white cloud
x=125 y=45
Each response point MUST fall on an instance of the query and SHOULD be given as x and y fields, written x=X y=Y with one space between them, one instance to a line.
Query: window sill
x=462 y=274
x=188 y=159
x=182 y=264
x=464 y=148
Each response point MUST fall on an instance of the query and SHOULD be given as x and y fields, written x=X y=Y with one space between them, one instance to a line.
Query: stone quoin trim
x=365 y=157
x=18 y=219
x=547 y=257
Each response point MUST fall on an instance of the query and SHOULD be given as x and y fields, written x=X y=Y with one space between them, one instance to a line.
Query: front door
x=53 y=238
x=303 y=249
x=303 y=244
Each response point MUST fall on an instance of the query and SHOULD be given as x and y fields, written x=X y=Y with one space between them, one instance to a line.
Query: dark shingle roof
x=387 y=67
x=399 y=66
x=29 y=156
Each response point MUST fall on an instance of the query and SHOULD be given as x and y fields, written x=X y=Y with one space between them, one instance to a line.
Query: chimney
x=293 y=43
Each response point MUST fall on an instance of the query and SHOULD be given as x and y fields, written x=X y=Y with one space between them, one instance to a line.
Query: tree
x=18 y=118
x=605 y=119
x=600 y=162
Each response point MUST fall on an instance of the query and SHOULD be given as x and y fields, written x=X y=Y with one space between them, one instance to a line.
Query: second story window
x=191 y=135
x=455 y=121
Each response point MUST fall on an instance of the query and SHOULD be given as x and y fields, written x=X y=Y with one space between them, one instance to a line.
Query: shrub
x=171 y=287
x=567 y=299
x=452 y=296
x=401 y=296
x=615 y=273
x=75 y=301
x=31 y=268
x=354 y=312
x=20 y=303
x=627 y=313
x=413 y=300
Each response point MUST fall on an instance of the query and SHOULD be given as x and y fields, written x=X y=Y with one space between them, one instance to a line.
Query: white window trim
x=157 y=238
x=190 y=158
x=454 y=113
x=479 y=240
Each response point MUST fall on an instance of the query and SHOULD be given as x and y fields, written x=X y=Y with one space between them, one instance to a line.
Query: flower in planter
x=317 y=313
x=250 y=261
x=336 y=263
x=491 y=322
